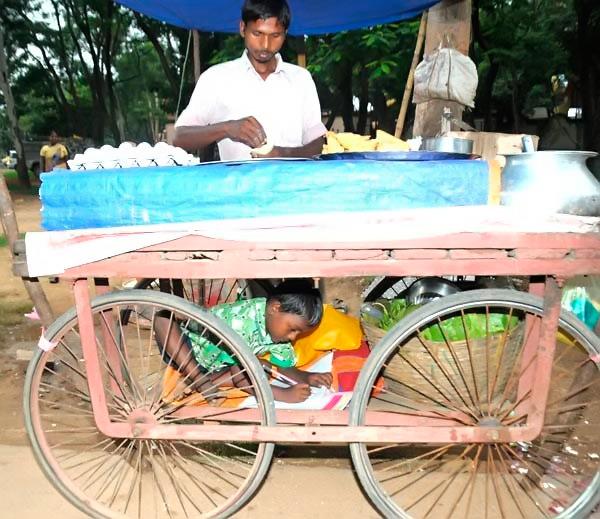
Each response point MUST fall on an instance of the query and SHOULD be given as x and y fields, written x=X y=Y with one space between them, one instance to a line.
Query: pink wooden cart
x=505 y=424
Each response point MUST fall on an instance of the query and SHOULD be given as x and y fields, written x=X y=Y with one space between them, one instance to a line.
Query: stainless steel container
x=448 y=144
x=552 y=182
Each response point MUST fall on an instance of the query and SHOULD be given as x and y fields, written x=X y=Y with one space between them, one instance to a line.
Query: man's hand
x=320 y=379
x=248 y=131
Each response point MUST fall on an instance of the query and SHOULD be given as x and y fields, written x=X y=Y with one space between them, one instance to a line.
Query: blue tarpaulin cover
x=308 y=16
x=217 y=191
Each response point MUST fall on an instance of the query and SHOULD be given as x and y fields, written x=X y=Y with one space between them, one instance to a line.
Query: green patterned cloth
x=247 y=319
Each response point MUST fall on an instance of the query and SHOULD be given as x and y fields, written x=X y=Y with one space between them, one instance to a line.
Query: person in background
x=257 y=100
x=53 y=155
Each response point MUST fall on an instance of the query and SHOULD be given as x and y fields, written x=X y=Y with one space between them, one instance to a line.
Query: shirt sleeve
x=313 y=126
x=44 y=150
x=63 y=152
x=200 y=109
x=282 y=355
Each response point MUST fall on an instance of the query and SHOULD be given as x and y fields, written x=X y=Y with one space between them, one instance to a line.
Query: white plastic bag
x=446 y=74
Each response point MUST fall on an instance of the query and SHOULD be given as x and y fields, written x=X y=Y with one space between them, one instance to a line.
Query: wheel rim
x=554 y=475
x=209 y=292
x=108 y=477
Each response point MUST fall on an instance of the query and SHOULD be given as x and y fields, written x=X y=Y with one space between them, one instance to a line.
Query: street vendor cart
x=479 y=404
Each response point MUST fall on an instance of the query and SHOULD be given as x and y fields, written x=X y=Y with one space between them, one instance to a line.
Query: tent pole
x=301 y=52
x=411 y=76
x=196 y=45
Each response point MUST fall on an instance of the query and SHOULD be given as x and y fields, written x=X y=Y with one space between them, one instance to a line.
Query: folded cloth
x=336 y=331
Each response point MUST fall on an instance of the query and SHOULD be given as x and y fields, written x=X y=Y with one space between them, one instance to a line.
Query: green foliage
x=469 y=325
x=67 y=58
x=393 y=312
x=529 y=41
x=232 y=47
x=375 y=61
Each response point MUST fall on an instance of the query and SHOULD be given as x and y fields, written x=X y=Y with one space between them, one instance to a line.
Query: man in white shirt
x=257 y=99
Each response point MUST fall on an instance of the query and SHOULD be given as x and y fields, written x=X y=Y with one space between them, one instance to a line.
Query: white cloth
x=51 y=253
x=286 y=104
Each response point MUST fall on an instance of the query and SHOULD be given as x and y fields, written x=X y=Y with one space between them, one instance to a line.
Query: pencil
x=279 y=376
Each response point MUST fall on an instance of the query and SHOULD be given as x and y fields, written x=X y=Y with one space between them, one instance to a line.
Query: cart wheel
x=479 y=381
x=386 y=287
x=108 y=477
x=209 y=292
x=390 y=287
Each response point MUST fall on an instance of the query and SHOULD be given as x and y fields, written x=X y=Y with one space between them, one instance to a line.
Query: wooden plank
x=200 y=245
x=32 y=285
x=153 y=265
x=491 y=144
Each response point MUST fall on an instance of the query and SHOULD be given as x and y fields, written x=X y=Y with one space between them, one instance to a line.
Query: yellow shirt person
x=53 y=155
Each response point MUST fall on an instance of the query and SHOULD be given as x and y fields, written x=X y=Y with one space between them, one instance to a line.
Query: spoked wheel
x=467 y=359
x=109 y=477
x=391 y=287
x=386 y=287
x=209 y=292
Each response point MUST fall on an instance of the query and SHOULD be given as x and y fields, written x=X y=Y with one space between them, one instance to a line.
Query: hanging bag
x=446 y=74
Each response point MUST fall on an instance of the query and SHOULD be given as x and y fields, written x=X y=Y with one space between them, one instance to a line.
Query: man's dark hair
x=298 y=297
x=253 y=10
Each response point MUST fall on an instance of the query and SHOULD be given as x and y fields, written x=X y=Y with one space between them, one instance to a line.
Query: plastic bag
x=471 y=325
x=446 y=74
x=581 y=296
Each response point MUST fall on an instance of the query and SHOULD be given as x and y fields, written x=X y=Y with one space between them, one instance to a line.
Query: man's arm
x=308 y=150
x=247 y=131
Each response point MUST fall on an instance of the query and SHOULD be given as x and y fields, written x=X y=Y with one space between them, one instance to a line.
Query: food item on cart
x=265 y=149
x=333 y=145
x=387 y=142
x=353 y=142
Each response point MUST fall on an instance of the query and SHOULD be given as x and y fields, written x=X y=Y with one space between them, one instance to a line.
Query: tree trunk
x=589 y=72
x=361 y=125
x=484 y=95
x=165 y=63
x=515 y=104
x=347 y=101
x=107 y=53
x=12 y=114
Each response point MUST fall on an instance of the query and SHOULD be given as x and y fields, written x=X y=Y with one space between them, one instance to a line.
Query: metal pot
x=552 y=182
x=424 y=290
x=448 y=144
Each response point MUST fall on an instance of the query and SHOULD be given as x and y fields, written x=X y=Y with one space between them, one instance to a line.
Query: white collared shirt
x=286 y=104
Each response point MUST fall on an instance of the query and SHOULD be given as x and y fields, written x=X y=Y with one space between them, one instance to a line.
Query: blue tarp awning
x=308 y=16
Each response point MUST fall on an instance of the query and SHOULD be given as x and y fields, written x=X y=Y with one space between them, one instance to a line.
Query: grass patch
x=12 y=181
x=4 y=239
x=11 y=312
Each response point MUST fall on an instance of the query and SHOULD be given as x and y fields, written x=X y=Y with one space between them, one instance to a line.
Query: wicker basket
x=413 y=371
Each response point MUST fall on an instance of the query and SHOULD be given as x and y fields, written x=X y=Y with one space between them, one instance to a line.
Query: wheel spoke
x=489 y=379
x=143 y=478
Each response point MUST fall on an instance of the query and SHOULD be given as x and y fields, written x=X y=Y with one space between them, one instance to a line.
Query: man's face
x=263 y=38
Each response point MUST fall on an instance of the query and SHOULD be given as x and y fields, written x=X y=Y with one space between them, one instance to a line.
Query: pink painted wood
x=556 y=254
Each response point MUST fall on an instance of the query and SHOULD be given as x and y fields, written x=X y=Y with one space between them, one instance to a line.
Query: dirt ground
x=308 y=482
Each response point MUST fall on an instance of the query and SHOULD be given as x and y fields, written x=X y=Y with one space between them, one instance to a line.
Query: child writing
x=268 y=325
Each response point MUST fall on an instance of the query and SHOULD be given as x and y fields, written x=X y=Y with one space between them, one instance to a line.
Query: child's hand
x=293 y=394
x=320 y=379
